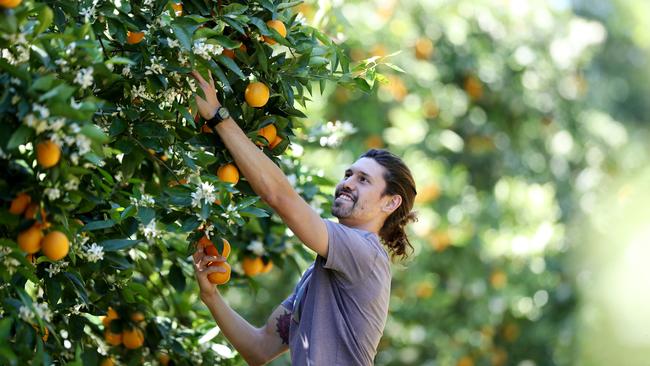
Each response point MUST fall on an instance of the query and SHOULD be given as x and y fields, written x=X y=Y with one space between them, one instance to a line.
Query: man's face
x=358 y=196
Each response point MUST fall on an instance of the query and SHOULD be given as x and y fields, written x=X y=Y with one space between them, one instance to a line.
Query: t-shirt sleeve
x=349 y=252
x=288 y=302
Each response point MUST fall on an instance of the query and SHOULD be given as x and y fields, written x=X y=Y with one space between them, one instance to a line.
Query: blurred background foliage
x=524 y=123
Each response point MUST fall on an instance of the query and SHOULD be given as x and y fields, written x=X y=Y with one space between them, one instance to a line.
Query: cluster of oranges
x=54 y=245
x=218 y=278
x=131 y=338
x=253 y=266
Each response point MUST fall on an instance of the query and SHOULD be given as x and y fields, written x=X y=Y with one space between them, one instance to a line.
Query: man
x=338 y=310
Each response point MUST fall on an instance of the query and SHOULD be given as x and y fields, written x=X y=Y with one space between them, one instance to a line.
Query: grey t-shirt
x=340 y=305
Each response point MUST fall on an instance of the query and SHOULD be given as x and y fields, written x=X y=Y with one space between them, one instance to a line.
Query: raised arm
x=266 y=179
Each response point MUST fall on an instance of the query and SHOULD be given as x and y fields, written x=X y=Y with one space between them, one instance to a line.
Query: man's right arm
x=257 y=346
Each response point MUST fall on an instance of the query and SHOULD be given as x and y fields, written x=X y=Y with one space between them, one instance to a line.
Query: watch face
x=223 y=113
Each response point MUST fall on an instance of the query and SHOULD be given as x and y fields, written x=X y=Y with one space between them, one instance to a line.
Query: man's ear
x=392 y=204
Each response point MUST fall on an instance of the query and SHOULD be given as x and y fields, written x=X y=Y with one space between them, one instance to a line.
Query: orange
x=55 y=245
x=110 y=315
x=252 y=266
x=133 y=338
x=20 y=203
x=228 y=173
x=10 y=4
x=178 y=9
x=177 y=182
x=465 y=361
x=423 y=48
x=31 y=258
x=29 y=240
x=276 y=141
x=107 y=362
x=210 y=249
x=163 y=358
x=206 y=129
x=219 y=278
x=473 y=87
x=137 y=317
x=267 y=267
x=134 y=37
x=498 y=279
x=231 y=53
x=114 y=339
x=279 y=27
x=30 y=212
x=48 y=153
x=256 y=94
x=268 y=132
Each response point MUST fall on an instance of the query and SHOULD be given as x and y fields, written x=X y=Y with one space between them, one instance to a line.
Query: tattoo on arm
x=282 y=323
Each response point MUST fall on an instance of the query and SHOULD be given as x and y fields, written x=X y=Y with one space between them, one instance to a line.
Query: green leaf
x=96 y=225
x=44 y=17
x=253 y=212
x=94 y=133
x=234 y=9
x=183 y=30
x=230 y=64
x=177 y=278
x=113 y=245
x=235 y=24
x=146 y=214
x=290 y=4
x=19 y=137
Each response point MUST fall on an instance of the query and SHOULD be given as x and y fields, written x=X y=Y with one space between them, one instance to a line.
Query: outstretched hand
x=208 y=106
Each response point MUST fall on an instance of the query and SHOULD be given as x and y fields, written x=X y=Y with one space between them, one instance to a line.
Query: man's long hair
x=399 y=181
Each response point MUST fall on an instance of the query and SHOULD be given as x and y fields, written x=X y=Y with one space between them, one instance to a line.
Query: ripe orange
x=279 y=27
x=276 y=142
x=219 y=278
x=423 y=48
x=163 y=358
x=55 y=245
x=177 y=182
x=473 y=87
x=268 y=132
x=20 y=203
x=498 y=279
x=252 y=266
x=107 y=362
x=206 y=129
x=134 y=37
x=133 y=338
x=231 y=53
x=178 y=9
x=137 y=317
x=114 y=339
x=228 y=173
x=29 y=240
x=465 y=361
x=48 y=153
x=10 y=4
x=210 y=249
x=256 y=94
x=110 y=315
x=267 y=267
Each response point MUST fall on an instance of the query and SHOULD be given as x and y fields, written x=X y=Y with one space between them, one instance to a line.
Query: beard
x=342 y=208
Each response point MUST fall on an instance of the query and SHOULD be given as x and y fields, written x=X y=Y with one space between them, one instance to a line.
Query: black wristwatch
x=221 y=114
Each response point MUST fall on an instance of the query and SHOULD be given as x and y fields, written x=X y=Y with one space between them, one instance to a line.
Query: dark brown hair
x=399 y=181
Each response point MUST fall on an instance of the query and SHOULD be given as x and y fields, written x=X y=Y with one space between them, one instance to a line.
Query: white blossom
x=155 y=68
x=75 y=105
x=150 y=231
x=173 y=43
x=52 y=193
x=74 y=158
x=87 y=13
x=39 y=125
x=55 y=268
x=205 y=191
x=256 y=247
x=25 y=313
x=56 y=124
x=83 y=144
x=43 y=311
x=72 y=184
x=84 y=77
x=11 y=264
x=93 y=253
x=42 y=110
x=147 y=200
x=126 y=71
x=140 y=92
x=206 y=50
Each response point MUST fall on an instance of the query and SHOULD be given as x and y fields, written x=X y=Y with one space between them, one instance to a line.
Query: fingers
x=205 y=261
x=195 y=74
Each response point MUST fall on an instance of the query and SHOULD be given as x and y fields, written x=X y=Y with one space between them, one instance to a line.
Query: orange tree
x=108 y=178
